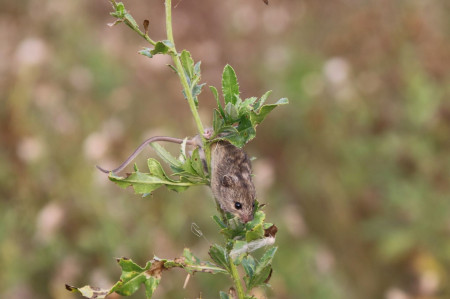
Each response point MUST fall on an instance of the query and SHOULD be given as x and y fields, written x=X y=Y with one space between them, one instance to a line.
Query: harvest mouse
x=231 y=179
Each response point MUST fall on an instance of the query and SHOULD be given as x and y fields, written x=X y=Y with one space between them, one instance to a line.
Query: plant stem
x=237 y=280
x=133 y=26
x=180 y=71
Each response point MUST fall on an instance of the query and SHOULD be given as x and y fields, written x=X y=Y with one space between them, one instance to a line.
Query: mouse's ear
x=227 y=181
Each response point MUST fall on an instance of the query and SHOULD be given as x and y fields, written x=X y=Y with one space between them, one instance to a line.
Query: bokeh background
x=355 y=171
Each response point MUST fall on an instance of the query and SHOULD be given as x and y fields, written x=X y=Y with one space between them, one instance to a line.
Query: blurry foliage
x=360 y=160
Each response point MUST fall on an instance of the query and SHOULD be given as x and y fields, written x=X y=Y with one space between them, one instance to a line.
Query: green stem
x=237 y=280
x=133 y=26
x=180 y=71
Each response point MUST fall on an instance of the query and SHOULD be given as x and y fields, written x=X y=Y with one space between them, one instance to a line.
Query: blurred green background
x=355 y=171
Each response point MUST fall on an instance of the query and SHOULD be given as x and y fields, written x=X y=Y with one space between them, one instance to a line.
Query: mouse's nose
x=246 y=218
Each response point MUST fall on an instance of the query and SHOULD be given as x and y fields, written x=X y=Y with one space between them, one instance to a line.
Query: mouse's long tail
x=141 y=147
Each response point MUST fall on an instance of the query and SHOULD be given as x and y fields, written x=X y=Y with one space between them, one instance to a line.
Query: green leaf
x=166 y=156
x=197 y=89
x=230 y=86
x=231 y=113
x=219 y=222
x=147 y=182
x=89 y=292
x=262 y=100
x=119 y=10
x=142 y=183
x=193 y=264
x=217 y=121
x=249 y=265
x=266 y=259
x=146 y=52
x=197 y=68
x=224 y=295
x=133 y=276
x=259 y=278
x=197 y=163
x=188 y=64
x=246 y=106
x=129 y=20
x=219 y=256
x=258 y=273
x=256 y=233
x=161 y=47
x=257 y=117
x=255 y=228
x=216 y=96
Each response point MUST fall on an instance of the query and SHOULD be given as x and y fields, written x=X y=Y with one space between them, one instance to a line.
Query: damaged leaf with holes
x=133 y=276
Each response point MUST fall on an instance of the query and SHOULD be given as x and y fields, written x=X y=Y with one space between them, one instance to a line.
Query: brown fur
x=231 y=180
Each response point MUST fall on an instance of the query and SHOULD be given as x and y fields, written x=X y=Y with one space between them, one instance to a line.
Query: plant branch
x=180 y=71
x=236 y=279
x=130 y=22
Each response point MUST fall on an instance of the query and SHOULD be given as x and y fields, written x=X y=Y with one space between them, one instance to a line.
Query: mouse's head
x=238 y=195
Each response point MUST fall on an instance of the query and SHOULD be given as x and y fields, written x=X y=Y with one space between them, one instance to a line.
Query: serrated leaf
x=216 y=96
x=257 y=117
x=258 y=273
x=187 y=167
x=259 y=278
x=249 y=265
x=219 y=256
x=267 y=257
x=197 y=89
x=197 y=163
x=197 y=68
x=156 y=169
x=217 y=122
x=188 y=64
x=258 y=219
x=231 y=113
x=129 y=20
x=262 y=100
x=132 y=277
x=166 y=156
x=230 y=86
x=143 y=183
x=256 y=233
x=246 y=106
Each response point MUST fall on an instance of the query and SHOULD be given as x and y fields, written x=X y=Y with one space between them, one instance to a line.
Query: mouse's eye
x=253 y=205
x=238 y=205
